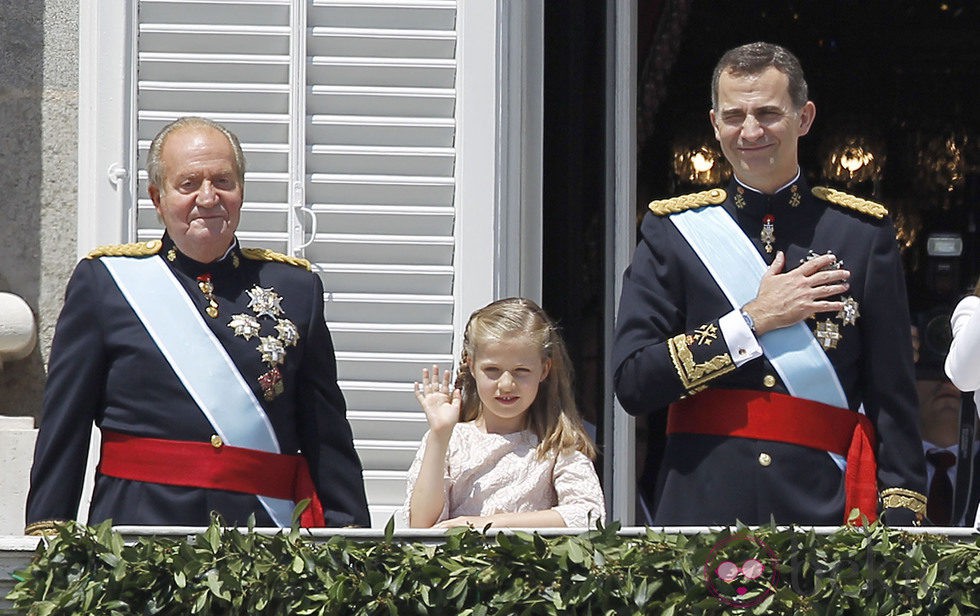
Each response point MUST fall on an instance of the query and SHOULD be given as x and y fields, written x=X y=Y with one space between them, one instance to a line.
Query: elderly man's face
x=200 y=201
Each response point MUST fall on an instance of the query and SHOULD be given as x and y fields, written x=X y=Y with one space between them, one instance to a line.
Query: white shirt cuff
x=742 y=343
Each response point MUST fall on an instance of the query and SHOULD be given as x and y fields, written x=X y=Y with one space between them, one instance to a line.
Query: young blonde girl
x=506 y=446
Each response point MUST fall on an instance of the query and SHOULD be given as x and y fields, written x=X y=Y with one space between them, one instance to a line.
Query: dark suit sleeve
x=324 y=432
x=889 y=395
x=659 y=354
x=73 y=397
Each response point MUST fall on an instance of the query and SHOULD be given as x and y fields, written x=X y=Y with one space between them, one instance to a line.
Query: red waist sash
x=773 y=416
x=202 y=465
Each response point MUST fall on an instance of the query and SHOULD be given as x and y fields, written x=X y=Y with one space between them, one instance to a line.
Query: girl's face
x=507 y=373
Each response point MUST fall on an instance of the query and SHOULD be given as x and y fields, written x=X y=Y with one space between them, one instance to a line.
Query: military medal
x=265 y=302
x=204 y=284
x=272 y=349
x=837 y=264
x=245 y=325
x=271 y=383
x=828 y=333
x=768 y=235
x=849 y=314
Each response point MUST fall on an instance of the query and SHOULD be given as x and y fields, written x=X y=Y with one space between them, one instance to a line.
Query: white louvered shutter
x=345 y=110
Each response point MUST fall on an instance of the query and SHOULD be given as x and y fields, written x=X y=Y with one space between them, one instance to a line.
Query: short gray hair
x=154 y=161
x=754 y=58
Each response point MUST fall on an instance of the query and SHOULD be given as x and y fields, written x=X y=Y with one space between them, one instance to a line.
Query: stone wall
x=38 y=175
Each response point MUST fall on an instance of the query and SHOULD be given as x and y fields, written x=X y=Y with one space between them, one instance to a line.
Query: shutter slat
x=380 y=167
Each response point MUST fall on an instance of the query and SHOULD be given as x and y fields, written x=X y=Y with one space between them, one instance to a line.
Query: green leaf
x=298 y=564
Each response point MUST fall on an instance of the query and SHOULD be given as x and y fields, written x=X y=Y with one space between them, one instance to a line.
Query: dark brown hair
x=754 y=58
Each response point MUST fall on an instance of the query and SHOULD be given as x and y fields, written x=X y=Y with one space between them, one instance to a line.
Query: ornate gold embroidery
x=136 y=249
x=692 y=374
x=855 y=203
x=706 y=334
x=739 y=197
x=264 y=254
x=663 y=207
x=900 y=497
x=45 y=527
x=794 y=196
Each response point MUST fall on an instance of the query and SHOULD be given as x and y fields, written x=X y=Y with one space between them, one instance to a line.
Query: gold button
x=765 y=459
x=769 y=381
x=216 y=441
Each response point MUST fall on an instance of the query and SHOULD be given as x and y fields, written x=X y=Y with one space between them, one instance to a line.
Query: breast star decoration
x=827 y=332
x=267 y=303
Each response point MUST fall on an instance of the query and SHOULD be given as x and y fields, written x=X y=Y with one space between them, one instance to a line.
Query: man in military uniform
x=772 y=320
x=207 y=366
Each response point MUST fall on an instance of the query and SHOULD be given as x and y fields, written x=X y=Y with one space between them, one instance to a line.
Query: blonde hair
x=553 y=416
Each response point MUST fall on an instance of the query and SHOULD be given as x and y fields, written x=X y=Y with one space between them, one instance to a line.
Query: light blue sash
x=201 y=363
x=737 y=267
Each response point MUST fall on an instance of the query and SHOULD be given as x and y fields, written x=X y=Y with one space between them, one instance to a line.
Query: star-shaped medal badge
x=288 y=333
x=272 y=350
x=828 y=333
x=837 y=264
x=849 y=313
x=245 y=325
x=265 y=302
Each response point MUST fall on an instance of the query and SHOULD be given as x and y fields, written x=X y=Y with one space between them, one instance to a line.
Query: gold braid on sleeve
x=909 y=499
x=45 y=527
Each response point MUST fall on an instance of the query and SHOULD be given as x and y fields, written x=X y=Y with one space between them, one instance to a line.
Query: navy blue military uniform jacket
x=105 y=369
x=667 y=291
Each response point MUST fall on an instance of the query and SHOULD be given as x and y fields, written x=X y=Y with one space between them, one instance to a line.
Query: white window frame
x=499 y=120
x=106 y=123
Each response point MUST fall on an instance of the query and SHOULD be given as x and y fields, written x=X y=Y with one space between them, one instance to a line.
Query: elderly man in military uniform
x=208 y=368
x=770 y=320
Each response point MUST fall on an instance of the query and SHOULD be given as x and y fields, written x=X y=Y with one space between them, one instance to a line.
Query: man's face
x=939 y=401
x=758 y=127
x=200 y=201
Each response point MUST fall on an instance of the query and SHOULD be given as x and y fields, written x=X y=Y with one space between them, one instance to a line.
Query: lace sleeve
x=401 y=515
x=580 y=500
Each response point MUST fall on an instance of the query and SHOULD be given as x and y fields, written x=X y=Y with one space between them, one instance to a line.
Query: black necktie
x=940 y=503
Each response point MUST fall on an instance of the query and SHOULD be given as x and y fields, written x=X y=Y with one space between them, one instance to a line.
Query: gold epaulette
x=137 y=249
x=838 y=197
x=664 y=207
x=264 y=254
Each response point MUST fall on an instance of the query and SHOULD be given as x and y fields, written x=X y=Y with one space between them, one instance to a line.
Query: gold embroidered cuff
x=692 y=374
x=900 y=497
x=45 y=527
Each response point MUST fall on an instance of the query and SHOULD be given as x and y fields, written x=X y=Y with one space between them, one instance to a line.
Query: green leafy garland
x=871 y=570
